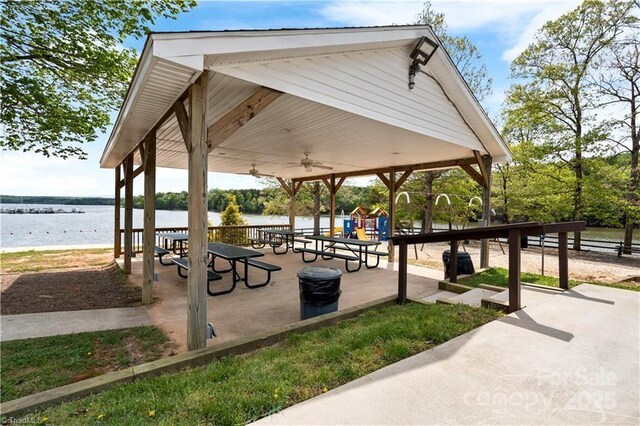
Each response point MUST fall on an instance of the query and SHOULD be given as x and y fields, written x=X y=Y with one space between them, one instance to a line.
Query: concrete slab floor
x=568 y=358
x=248 y=311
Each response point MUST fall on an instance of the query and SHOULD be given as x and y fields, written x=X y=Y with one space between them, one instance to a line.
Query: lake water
x=95 y=226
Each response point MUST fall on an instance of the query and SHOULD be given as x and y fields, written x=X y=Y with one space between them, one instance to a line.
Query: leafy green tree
x=464 y=54
x=231 y=215
x=64 y=68
x=619 y=83
x=554 y=92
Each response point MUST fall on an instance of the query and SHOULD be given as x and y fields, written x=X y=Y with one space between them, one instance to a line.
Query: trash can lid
x=319 y=273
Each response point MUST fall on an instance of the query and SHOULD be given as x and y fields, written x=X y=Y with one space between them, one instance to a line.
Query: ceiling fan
x=309 y=164
x=256 y=173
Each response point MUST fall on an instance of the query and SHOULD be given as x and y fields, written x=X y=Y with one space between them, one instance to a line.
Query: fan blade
x=320 y=166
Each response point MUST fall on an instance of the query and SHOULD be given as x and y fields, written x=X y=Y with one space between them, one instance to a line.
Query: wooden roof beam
x=474 y=174
x=483 y=170
x=232 y=121
x=285 y=186
x=415 y=167
x=183 y=122
x=403 y=178
x=384 y=180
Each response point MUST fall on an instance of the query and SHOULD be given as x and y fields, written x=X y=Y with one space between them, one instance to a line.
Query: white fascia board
x=194 y=62
x=140 y=78
x=216 y=43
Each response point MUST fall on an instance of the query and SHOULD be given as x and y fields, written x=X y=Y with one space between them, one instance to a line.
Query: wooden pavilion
x=301 y=105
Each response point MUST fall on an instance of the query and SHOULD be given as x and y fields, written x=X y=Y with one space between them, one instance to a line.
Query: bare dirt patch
x=70 y=290
x=46 y=260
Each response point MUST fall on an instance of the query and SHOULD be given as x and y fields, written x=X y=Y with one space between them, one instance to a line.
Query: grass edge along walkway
x=35 y=365
x=239 y=389
x=500 y=277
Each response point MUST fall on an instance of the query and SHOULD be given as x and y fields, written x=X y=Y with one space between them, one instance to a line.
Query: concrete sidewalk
x=572 y=358
x=28 y=326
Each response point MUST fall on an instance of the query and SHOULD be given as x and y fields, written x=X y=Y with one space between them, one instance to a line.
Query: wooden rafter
x=483 y=170
x=384 y=180
x=339 y=183
x=285 y=186
x=326 y=183
x=141 y=152
x=474 y=174
x=403 y=178
x=222 y=129
x=415 y=167
x=296 y=186
x=183 y=122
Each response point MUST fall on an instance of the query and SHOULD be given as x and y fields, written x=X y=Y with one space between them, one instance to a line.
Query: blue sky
x=501 y=29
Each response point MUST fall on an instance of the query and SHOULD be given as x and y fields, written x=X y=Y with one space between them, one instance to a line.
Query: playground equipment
x=366 y=226
x=380 y=218
x=408 y=228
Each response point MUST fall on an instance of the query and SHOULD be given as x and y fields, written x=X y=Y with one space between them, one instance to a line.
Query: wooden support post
x=486 y=211
x=197 y=280
x=117 y=242
x=332 y=206
x=292 y=205
x=149 y=232
x=563 y=260
x=316 y=208
x=453 y=262
x=392 y=214
x=402 y=273
x=128 y=213
x=515 y=300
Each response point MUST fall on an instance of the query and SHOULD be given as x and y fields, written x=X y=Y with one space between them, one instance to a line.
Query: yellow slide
x=337 y=230
x=361 y=235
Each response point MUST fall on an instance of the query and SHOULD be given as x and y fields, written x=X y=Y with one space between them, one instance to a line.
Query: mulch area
x=71 y=290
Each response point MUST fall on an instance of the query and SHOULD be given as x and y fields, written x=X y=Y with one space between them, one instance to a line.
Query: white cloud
x=550 y=11
x=515 y=21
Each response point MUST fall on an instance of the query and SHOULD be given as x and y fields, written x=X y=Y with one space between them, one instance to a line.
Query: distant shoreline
x=43 y=199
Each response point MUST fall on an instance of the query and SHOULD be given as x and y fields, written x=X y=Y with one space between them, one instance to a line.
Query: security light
x=422 y=52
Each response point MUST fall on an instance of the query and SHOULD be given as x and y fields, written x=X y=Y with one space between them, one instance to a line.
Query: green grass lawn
x=500 y=277
x=239 y=389
x=34 y=365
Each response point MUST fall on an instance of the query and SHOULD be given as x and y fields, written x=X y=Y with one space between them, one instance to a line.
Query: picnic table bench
x=183 y=264
x=160 y=252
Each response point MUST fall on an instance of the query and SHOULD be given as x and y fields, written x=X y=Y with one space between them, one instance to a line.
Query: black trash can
x=319 y=291
x=524 y=242
x=465 y=265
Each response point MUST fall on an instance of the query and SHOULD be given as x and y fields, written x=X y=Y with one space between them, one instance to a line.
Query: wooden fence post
x=515 y=299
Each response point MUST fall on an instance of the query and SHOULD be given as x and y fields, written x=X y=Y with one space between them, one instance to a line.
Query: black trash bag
x=465 y=265
x=319 y=285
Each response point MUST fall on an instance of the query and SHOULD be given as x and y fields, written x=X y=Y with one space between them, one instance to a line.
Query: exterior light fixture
x=422 y=52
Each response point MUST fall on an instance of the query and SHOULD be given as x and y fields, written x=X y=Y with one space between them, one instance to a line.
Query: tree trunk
x=427 y=209
x=634 y=180
x=316 y=208
x=505 y=195
x=577 y=167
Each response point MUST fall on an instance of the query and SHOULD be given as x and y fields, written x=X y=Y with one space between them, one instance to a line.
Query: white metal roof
x=346 y=101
